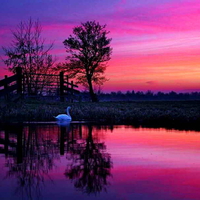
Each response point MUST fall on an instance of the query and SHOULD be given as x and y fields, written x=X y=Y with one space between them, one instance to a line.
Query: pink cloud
x=151 y=82
x=166 y=17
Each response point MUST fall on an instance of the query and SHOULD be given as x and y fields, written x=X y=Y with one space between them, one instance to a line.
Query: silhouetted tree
x=88 y=51
x=149 y=94
x=27 y=50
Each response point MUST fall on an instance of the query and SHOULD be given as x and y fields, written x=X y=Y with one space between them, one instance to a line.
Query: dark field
x=169 y=114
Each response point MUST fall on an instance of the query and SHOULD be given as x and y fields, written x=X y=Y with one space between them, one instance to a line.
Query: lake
x=84 y=161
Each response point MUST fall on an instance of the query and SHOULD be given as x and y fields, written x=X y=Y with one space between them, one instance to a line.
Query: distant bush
x=149 y=95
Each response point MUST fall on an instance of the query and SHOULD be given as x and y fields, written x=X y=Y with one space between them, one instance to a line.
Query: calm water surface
x=81 y=161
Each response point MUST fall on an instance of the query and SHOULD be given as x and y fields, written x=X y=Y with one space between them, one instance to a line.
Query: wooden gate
x=38 y=85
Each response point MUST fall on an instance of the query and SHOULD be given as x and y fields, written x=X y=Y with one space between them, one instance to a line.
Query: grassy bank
x=175 y=114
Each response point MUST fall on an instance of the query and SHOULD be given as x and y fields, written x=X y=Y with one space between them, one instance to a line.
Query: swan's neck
x=68 y=112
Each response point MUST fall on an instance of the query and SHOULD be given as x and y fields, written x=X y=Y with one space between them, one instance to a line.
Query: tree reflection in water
x=32 y=151
x=90 y=166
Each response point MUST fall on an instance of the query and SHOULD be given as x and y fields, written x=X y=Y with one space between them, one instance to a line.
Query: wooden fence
x=12 y=84
x=67 y=88
x=22 y=84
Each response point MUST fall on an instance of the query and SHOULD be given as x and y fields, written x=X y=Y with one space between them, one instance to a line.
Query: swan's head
x=67 y=110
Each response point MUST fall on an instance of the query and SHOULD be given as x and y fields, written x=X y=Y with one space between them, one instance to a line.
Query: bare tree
x=28 y=51
x=88 y=52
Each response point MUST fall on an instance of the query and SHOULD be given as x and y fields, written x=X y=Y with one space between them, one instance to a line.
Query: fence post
x=67 y=86
x=6 y=88
x=19 y=80
x=72 y=91
x=61 y=86
x=67 y=82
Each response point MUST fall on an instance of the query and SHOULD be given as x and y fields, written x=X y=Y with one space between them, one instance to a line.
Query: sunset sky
x=156 y=43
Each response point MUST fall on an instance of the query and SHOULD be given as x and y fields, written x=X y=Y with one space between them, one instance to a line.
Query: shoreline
x=184 y=115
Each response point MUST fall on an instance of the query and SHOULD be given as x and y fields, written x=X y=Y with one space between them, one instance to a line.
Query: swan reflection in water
x=63 y=123
x=36 y=153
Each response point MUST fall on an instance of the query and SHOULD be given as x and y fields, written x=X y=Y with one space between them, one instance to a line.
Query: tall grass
x=177 y=114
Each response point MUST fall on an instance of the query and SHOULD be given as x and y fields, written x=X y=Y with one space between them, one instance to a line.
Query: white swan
x=64 y=117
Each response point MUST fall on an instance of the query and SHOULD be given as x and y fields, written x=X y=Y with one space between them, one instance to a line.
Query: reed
x=185 y=114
